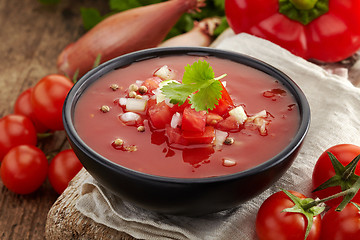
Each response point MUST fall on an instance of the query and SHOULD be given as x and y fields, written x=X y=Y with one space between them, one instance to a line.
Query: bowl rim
x=113 y=64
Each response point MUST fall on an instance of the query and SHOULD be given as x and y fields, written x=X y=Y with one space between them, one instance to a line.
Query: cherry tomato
x=24 y=107
x=344 y=225
x=24 y=169
x=63 y=167
x=272 y=223
x=48 y=97
x=15 y=130
x=324 y=170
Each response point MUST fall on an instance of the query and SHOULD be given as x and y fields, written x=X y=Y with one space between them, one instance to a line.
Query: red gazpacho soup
x=133 y=116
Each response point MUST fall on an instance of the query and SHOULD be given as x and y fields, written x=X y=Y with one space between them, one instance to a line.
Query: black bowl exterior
x=175 y=195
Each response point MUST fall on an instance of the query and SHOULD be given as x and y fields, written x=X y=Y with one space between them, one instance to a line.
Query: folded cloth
x=335 y=119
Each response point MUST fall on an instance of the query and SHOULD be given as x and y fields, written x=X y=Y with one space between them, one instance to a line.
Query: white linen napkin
x=334 y=103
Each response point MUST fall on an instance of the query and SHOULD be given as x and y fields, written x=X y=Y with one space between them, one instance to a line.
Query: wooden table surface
x=31 y=37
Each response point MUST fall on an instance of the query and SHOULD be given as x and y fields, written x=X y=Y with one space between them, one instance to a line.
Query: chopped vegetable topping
x=105 y=108
x=135 y=105
x=239 y=114
x=114 y=87
x=118 y=142
x=132 y=94
x=165 y=73
x=199 y=85
x=141 y=129
x=229 y=141
x=143 y=90
x=182 y=109
x=229 y=162
x=133 y=88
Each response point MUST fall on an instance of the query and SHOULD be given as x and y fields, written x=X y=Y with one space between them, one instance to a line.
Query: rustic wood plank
x=31 y=36
x=66 y=222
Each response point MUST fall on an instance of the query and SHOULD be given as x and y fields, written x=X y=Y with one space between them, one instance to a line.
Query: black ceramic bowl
x=176 y=195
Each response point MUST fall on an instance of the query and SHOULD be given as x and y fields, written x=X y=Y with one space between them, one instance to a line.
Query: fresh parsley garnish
x=198 y=84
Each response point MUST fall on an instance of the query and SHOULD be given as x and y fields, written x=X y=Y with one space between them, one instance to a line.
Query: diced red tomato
x=193 y=121
x=200 y=138
x=160 y=115
x=229 y=124
x=177 y=108
x=175 y=136
x=225 y=103
x=151 y=102
x=151 y=84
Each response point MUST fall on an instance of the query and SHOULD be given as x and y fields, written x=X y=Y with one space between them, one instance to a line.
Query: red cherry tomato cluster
x=283 y=216
x=37 y=110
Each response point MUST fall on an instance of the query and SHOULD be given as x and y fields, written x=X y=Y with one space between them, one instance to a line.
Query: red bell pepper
x=326 y=30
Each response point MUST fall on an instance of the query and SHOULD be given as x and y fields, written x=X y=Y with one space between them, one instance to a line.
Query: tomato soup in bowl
x=186 y=131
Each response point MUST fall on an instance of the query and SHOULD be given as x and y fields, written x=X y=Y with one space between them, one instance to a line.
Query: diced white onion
x=165 y=73
x=129 y=117
x=261 y=124
x=135 y=105
x=262 y=129
x=139 y=82
x=158 y=95
x=261 y=114
x=122 y=101
x=229 y=162
x=220 y=137
x=167 y=101
x=145 y=97
x=239 y=114
x=224 y=83
x=176 y=120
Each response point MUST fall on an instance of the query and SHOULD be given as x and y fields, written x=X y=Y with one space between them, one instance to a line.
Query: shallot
x=201 y=35
x=124 y=32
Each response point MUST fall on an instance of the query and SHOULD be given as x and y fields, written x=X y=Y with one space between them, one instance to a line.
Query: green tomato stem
x=319 y=201
x=303 y=11
x=348 y=194
x=304 y=4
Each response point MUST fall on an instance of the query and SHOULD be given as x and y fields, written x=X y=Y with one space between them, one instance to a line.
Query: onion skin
x=124 y=32
x=200 y=36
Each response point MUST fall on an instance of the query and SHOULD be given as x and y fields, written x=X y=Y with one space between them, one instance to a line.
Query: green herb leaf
x=198 y=84
x=90 y=17
x=48 y=1
x=121 y=5
x=176 y=92
x=206 y=98
x=97 y=61
x=185 y=23
x=198 y=72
